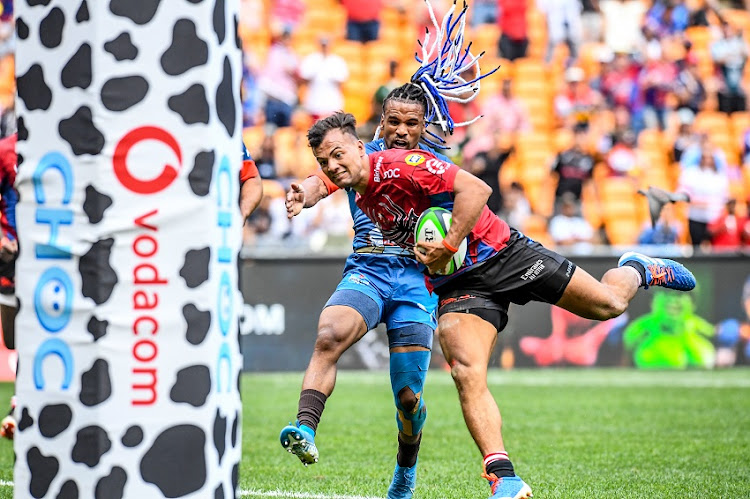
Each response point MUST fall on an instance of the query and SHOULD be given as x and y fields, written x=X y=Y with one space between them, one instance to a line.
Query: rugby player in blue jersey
x=381 y=283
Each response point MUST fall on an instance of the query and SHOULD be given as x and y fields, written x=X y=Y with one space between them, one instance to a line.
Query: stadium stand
x=612 y=203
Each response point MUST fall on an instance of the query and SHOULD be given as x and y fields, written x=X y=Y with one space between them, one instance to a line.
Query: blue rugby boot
x=661 y=272
x=300 y=441
x=404 y=482
x=508 y=487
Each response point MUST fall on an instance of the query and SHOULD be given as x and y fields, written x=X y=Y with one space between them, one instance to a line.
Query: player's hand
x=8 y=249
x=434 y=256
x=295 y=200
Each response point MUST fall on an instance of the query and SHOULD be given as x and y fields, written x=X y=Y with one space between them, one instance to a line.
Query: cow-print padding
x=54 y=419
x=72 y=452
x=77 y=71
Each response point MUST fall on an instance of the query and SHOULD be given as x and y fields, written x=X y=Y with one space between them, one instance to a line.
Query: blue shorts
x=389 y=289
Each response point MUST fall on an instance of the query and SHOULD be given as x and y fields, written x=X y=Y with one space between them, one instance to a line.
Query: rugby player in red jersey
x=502 y=266
x=8 y=255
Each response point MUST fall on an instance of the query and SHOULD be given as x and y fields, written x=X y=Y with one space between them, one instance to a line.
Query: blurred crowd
x=7 y=69
x=593 y=101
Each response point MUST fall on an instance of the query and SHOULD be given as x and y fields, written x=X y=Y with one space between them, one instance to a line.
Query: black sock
x=407 y=453
x=311 y=405
x=501 y=468
x=640 y=268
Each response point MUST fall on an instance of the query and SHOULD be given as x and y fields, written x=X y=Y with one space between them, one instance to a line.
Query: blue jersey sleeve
x=374 y=146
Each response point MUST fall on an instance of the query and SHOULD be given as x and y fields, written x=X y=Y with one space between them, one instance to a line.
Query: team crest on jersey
x=394 y=222
x=414 y=159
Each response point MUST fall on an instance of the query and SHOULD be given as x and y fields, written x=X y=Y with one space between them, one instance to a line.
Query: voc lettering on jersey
x=395 y=173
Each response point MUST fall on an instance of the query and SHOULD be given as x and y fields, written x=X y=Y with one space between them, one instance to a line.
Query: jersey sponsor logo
x=436 y=167
x=358 y=279
x=378 y=166
x=533 y=271
x=570 y=267
x=393 y=173
x=414 y=159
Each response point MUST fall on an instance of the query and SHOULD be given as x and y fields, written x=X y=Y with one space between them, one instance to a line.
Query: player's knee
x=466 y=376
x=411 y=412
x=610 y=309
x=331 y=338
x=408 y=373
x=407 y=400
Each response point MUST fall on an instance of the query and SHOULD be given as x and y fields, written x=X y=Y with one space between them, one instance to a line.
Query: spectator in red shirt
x=730 y=231
x=362 y=19
x=618 y=84
x=512 y=20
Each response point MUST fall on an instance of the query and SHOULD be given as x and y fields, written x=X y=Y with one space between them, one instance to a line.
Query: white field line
x=296 y=495
x=561 y=378
x=262 y=493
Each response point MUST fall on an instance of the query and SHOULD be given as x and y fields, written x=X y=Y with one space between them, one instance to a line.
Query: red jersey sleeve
x=249 y=170
x=330 y=186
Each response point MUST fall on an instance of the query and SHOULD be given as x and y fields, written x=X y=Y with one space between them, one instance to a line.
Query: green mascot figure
x=671 y=336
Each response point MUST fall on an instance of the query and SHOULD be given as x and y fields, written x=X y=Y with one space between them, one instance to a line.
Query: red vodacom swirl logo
x=120 y=160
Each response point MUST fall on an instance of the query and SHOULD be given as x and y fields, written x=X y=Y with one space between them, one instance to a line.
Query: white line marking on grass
x=263 y=493
x=296 y=495
x=615 y=378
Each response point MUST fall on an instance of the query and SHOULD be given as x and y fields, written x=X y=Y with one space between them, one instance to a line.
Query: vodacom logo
x=120 y=160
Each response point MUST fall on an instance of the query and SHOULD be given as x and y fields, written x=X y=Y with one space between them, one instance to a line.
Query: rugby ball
x=432 y=226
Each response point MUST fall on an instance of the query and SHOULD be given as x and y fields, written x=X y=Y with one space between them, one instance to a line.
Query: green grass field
x=570 y=433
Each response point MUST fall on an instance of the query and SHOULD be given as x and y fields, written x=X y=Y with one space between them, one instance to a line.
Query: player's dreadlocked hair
x=409 y=92
x=440 y=79
x=343 y=121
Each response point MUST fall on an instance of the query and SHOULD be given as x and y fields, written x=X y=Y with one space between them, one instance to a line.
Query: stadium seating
x=613 y=205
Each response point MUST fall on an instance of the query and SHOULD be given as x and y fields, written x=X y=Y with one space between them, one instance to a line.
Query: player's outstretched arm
x=304 y=195
x=251 y=192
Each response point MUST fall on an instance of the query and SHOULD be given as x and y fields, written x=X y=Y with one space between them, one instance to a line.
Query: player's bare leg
x=467 y=342
x=339 y=327
x=587 y=297
x=8 y=321
x=592 y=299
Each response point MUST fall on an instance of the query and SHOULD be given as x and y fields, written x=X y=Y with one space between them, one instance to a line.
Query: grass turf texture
x=571 y=433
